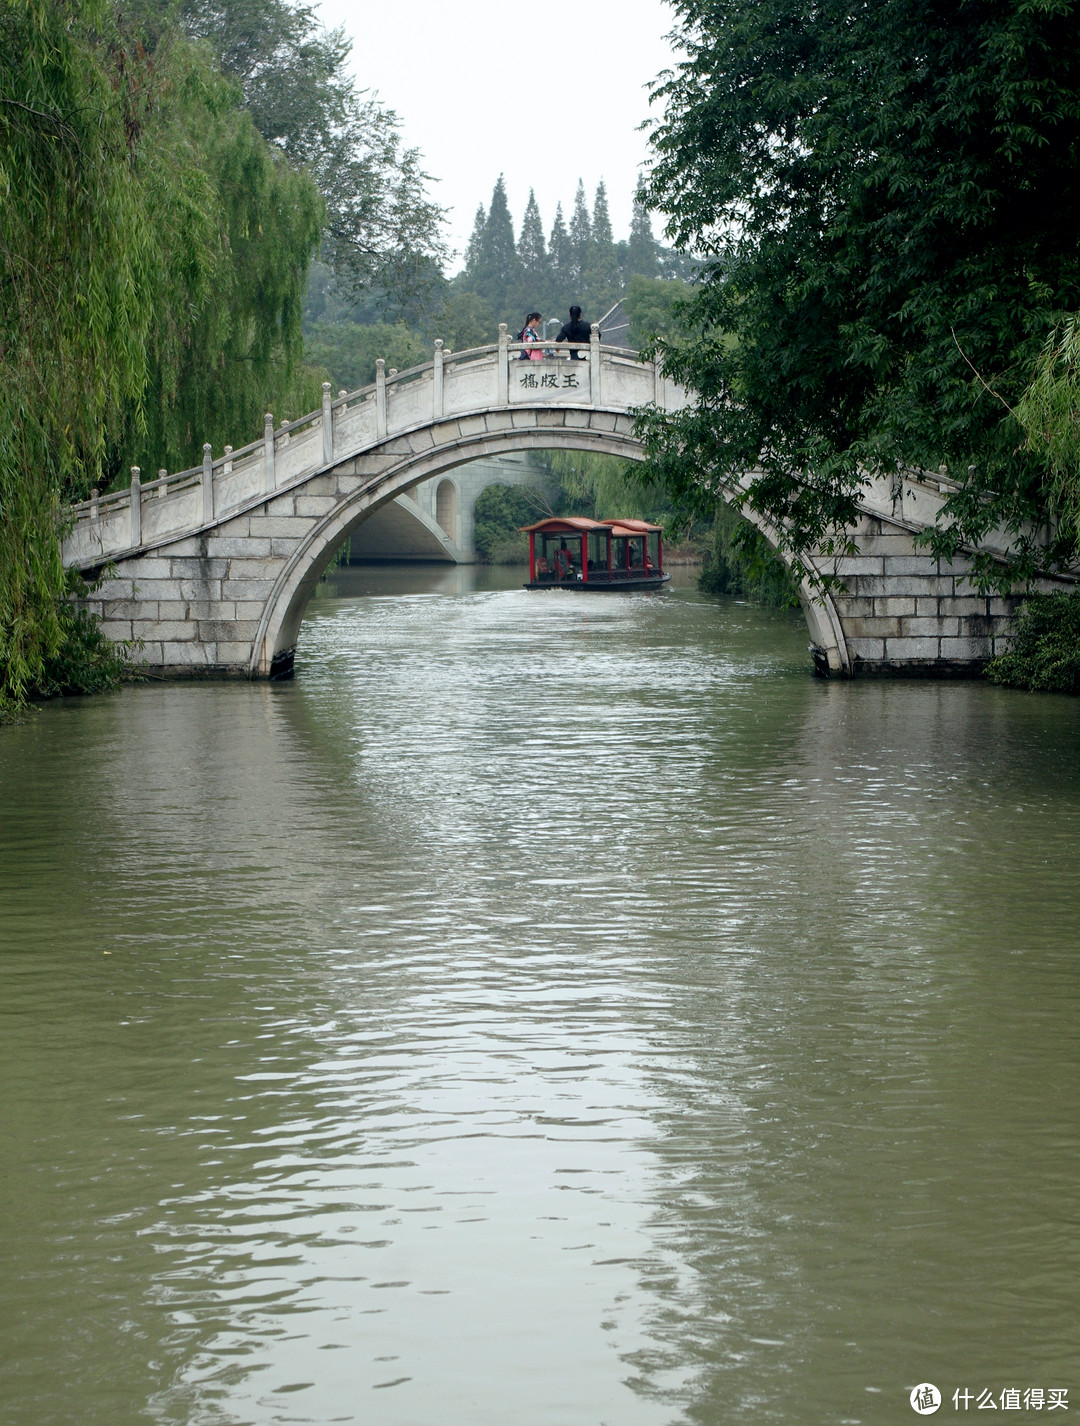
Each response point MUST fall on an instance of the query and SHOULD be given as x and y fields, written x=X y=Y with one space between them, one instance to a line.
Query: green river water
x=544 y=1011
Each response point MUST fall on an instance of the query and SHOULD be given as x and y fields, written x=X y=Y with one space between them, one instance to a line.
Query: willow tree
x=236 y=228
x=1049 y=412
x=381 y=227
x=152 y=258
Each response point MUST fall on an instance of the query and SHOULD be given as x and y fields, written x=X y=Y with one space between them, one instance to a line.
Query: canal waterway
x=545 y=1010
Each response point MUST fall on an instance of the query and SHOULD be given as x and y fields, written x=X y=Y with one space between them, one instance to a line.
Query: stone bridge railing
x=153 y=513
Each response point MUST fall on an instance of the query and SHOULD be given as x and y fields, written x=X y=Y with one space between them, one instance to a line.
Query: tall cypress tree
x=602 y=281
x=476 y=244
x=498 y=267
x=561 y=262
x=641 y=251
x=601 y=218
x=580 y=238
x=535 y=274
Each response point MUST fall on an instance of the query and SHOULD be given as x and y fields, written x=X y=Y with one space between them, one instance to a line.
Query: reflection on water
x=545 y=1009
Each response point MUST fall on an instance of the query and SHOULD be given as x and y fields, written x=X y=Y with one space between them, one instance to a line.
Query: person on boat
x=575 y=331
x=530 y=335
x=564 y=564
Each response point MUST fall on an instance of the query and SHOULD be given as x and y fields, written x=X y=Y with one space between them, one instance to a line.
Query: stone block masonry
x=915 y=615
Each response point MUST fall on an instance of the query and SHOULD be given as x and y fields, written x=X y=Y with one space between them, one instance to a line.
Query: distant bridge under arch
x=212 y=568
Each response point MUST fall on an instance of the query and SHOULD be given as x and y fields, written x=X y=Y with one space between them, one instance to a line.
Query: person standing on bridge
x=575 y=331
x=530 y=335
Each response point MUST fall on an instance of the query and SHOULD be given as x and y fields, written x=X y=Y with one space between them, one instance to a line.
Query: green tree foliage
x=380 y=224
x=601 y=487
x=495 y=270
x=583 y=265
x=466 y=320
x=535 y=279
x=652 y=304
x=501 y=510
x=349 y=350
x=76 y=258
x=740 y=561
x=887 y=199
x=602 y=278
x=1049 y=411
x=476 y=240
x=1044 y=655
x=561 y=259
x=236 y=228
x=145 y=230
x=642 y=249
x=580 y=239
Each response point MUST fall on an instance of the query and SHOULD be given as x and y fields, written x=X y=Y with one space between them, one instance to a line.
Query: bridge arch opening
x=275 y=641
x=446 y=511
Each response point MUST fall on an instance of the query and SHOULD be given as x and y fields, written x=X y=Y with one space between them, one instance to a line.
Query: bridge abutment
x=905 y=612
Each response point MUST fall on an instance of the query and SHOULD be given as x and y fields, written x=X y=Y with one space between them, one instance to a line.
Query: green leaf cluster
x=888 y=199
x=1049 y=411
x=501 y=510
x=1044 y=654
x=350 y=350
x=601 y=487
x=740 y=561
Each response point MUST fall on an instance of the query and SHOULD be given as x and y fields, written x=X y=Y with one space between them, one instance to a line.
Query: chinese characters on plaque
x=548 y=380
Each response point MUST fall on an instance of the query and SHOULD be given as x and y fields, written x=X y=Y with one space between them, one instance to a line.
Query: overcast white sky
x=460 y=76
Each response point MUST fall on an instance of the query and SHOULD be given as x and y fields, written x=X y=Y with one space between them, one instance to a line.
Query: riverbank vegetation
x=1044 y=655
x=886 y=203
x=167 y=173
x=739 y=561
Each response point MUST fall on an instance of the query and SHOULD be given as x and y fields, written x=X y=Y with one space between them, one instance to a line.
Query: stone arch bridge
x=211 y=569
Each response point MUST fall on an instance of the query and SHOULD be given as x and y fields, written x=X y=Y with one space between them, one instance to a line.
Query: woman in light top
x=530 y=334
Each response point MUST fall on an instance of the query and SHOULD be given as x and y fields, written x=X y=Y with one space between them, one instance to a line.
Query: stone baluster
x=95 y=509
x=327 y=425
x=269 y=479
x=207 y=484
x=504 y=370
x=284 y=433
x=595 y=384
x=657 y=382
x=437 y=381
x=380 y=397
x=162 y=489
x=226 y=469
x=136 y=507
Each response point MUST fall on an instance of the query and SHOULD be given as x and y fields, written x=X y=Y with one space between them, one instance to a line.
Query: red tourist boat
x=571 y=552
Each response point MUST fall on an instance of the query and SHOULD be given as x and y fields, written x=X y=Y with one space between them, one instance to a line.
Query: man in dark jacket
x=575 y=331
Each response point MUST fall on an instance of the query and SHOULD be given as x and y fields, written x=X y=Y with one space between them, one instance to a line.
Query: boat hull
x=601 y=586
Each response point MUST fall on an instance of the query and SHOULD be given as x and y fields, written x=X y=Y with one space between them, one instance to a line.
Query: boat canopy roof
x=581 y=525
x=565 y=525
